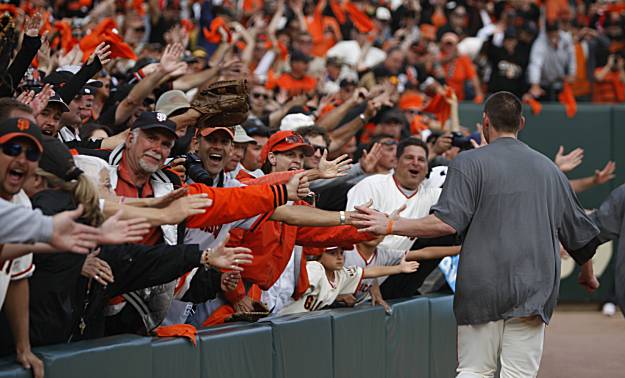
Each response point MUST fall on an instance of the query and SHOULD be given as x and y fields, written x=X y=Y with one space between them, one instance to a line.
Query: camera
x=195 y=169
x=461 y=141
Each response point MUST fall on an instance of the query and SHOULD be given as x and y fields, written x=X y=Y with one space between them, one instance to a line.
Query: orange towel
x=534 y=105
x=567 y=99
x=178 y=330
x=104 y=32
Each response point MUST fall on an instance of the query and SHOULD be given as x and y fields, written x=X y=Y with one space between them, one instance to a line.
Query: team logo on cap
x=23 y=124
x=161 y=117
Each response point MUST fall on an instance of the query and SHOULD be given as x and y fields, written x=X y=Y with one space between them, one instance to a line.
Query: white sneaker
x=609 y=309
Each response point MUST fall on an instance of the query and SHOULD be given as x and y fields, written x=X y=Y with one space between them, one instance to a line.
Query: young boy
x=329 y=278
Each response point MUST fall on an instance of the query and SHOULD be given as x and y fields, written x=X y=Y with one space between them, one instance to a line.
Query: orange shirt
x=296 y=86
x=231 y=204
x=609 y=90
x=457 y=72
x=127 y=188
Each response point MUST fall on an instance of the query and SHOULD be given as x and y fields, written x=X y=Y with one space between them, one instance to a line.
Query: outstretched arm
x=381 y=271
x=430 y=253
x=370 y=220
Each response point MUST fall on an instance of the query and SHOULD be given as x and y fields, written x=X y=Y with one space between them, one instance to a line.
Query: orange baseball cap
x=285 y=140
x=209 y=130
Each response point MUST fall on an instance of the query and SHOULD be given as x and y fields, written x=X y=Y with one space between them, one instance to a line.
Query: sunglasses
x=389 y=143
x=260 y=95
x=316 y=148
x=15 y=149
x=293 y=139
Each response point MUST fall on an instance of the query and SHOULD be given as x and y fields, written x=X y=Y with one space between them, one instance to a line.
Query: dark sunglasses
x=260 y=95
x=316 y=148
x=293 y=139
x=15 y=149
x=389 y=143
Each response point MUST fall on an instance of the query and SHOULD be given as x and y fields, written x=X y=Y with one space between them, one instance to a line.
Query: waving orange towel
x=567 y=99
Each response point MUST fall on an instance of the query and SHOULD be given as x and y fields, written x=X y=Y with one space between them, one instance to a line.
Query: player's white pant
x=518 y=342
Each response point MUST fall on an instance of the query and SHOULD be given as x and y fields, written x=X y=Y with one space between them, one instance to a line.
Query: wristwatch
x=362 y=118
x=342 y=217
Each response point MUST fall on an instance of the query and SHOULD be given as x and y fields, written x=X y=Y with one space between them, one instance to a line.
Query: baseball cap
x=393 y=115
x=58 y=160
x=20 y=127
x=154 y=120
x=171 y=101
x=383 y=14
x=297 y=55
x=285 y=140
x=56 y=99
x=295 y=121
x=254 y=126
x=240 y=136
x=209 y=130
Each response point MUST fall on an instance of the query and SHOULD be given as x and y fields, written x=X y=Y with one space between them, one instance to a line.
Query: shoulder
x=315 y=270
x=373 y=181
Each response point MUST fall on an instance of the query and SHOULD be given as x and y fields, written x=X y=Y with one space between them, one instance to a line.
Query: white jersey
x=387 y=197
x=280 y=294
x=382 y=256
x=322 y=292
x=18 y=268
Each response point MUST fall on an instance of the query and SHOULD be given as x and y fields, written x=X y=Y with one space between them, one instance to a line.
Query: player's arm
x=381 y=271
x=430 y=253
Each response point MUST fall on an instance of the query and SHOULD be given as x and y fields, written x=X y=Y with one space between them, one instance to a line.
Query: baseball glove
x=260 y=311
x=224 y=103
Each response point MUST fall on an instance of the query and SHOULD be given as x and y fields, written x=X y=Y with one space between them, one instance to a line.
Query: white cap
x=295 y=121
x=240 y=136
x=382 y=14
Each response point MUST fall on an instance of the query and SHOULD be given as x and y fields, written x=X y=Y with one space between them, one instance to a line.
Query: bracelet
x=389 y=227
x=205 y=255
x=342 y=217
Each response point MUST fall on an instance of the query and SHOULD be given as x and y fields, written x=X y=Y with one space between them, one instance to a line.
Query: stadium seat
x=122 y=356
x=302 y=345
x=359 y=342
x=408 y=339
x=236 y=350
x=443 y=336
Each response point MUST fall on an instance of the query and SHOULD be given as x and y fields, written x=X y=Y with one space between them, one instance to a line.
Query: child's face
x=332 y=259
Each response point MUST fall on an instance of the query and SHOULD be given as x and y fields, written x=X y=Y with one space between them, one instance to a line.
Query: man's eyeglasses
x=389 y=143
x=15 y=149
x=321 y=149
x=260 y=95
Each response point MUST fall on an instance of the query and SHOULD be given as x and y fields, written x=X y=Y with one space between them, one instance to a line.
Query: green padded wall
x=123 y=356
x=408 y=338
x=10 y=369
x=239 y=350
x=359 y=342
x=443 y=337
x=302 y=345
x=175 y=357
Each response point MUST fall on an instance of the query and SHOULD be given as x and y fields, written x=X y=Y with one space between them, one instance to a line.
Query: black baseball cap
x=255 y=127
x=393 y=115
x=297 y=55
x=155 y=120
x=58 y=160
x=59 y=79
x=56 y=99
x=20 y=127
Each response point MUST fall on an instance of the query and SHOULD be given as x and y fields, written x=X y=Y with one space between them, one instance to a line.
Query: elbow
x=445 y=229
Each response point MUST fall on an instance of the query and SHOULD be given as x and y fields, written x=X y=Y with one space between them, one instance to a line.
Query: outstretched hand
x=223 y=257
x=606 y=174
x=408 y=266
x=570 y=161
x=297 y=187
x=117 y=231
x=370 y=220
x=335 y=168
x=68 y=235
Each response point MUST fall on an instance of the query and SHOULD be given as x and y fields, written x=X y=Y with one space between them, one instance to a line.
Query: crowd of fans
x=161 y=214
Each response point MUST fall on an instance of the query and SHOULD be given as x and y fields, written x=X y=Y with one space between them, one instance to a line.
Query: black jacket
x=60 y=297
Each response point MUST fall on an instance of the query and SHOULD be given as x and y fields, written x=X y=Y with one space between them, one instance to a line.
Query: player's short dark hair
x=9 y=104
x=504 y=110
x=404 y=143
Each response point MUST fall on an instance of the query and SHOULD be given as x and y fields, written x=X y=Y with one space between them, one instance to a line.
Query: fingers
x=243 y=258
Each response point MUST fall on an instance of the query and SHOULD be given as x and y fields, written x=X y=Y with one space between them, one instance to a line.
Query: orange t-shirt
x=457 y=72
x=296 y=86
x=609 y=90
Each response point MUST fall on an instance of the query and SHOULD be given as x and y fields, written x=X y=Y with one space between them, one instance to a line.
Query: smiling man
x=404 y=186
